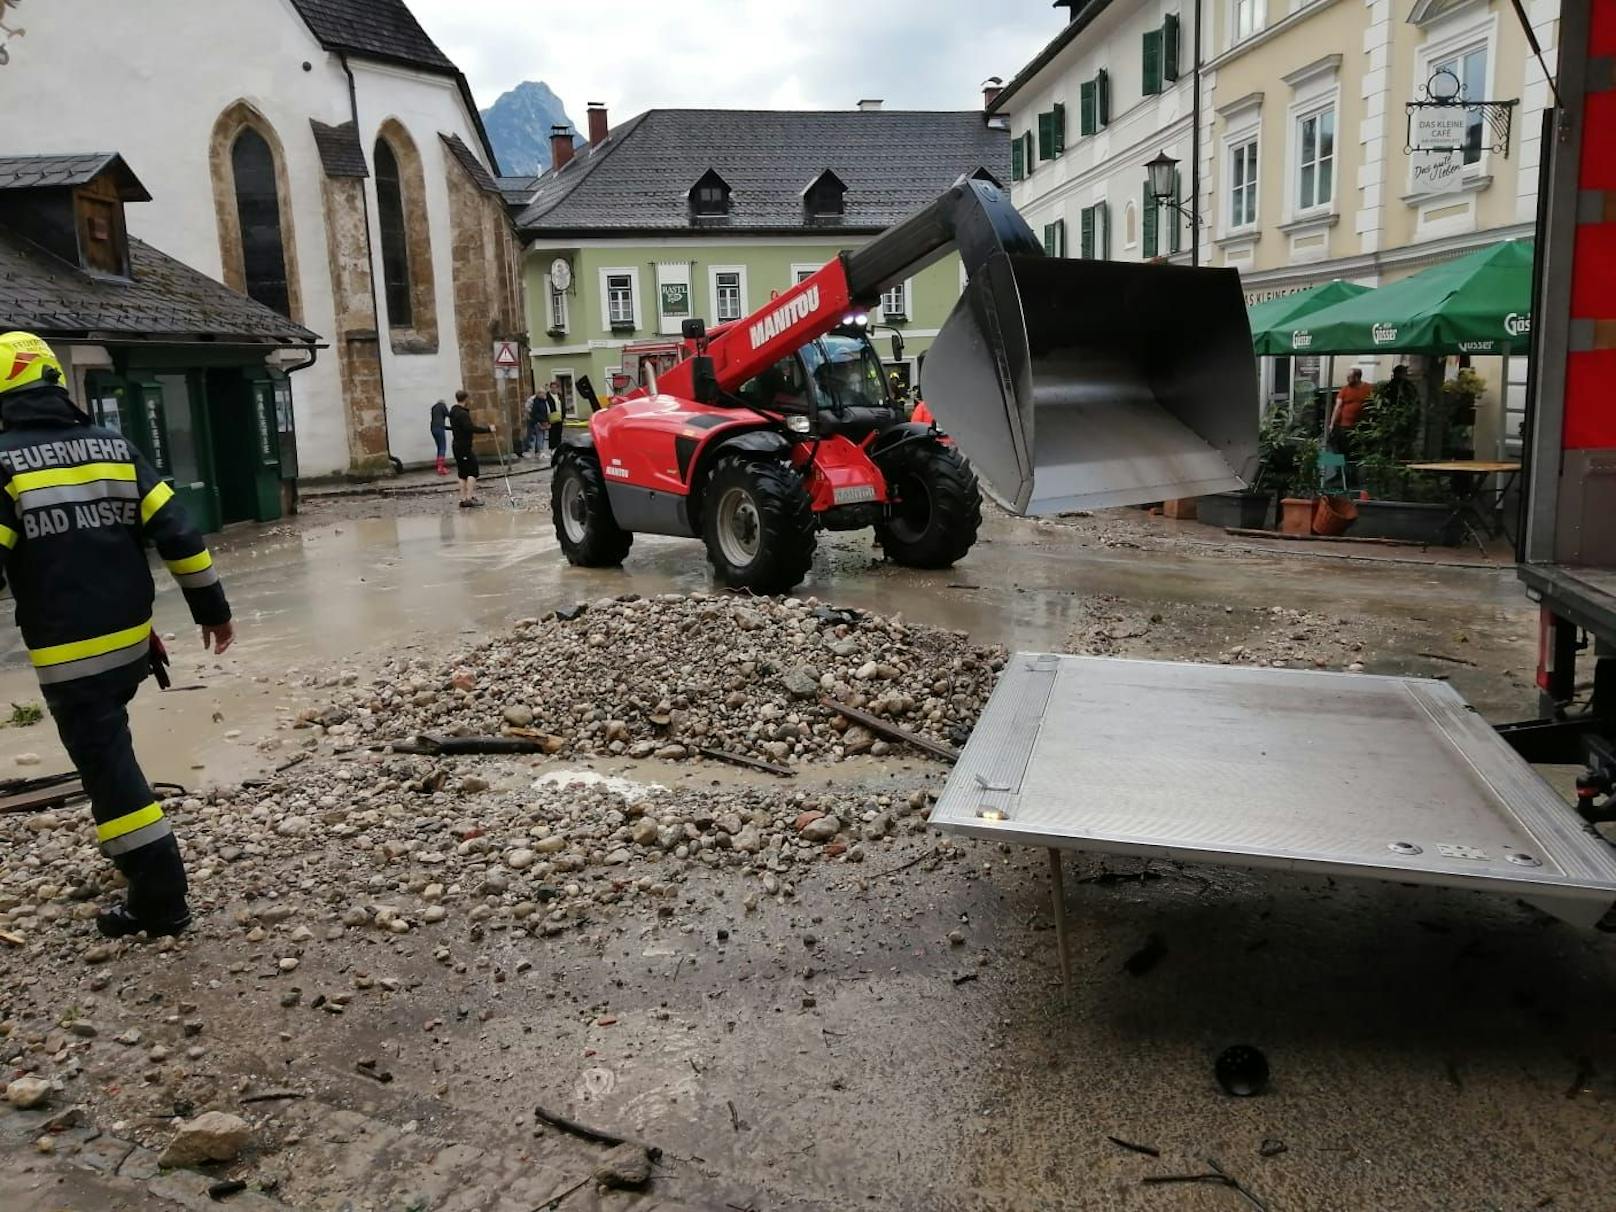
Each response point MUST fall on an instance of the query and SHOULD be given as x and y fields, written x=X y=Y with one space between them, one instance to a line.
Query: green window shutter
x=1017 y=169
x=1086 y=245
x=1087 y=109
x=1153 y=63
x=1173 y=215
x=1102 y=91
x=1061 y=238
x=1103 y=211
x=1147 y=224
x=1046 y=136
x=1170 y=47
x=1059 y=123
x=1049 y=239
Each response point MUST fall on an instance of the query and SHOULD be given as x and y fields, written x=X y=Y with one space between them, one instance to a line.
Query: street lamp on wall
x=1161 y=179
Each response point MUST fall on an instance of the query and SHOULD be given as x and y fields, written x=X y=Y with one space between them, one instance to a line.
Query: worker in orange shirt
x=1348 y=410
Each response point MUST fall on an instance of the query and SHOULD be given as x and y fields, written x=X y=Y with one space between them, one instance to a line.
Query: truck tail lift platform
x=1343 y=774
x=1245 y=766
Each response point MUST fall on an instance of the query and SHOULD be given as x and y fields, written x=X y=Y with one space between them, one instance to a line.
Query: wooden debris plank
x=888 y=729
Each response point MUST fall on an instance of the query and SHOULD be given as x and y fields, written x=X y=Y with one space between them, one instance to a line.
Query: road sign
x=506 y=356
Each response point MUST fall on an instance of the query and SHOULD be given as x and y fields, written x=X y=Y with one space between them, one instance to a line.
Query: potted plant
x=1296 y=506
x=1249 y=509
x=1458 y=414
x=1400 y=504
x=1253 y=508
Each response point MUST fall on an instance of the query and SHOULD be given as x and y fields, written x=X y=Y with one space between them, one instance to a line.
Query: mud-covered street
x=790 y=987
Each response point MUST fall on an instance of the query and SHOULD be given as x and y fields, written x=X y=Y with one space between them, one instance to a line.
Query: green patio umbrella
x=1480 y=303
x=1273 y=320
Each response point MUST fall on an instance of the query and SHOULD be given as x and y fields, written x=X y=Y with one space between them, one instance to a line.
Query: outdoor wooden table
x=1469 y=479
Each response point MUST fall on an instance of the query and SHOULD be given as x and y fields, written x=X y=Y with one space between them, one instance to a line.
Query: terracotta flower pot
x=1332 y=515
x=1296 y=515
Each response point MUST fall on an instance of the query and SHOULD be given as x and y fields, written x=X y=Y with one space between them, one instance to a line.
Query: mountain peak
x=519 y=125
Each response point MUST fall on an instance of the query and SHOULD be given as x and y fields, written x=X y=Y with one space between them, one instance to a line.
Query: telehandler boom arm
x=1069 y=384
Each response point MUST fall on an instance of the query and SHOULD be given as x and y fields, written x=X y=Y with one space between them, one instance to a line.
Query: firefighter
x=77 y=505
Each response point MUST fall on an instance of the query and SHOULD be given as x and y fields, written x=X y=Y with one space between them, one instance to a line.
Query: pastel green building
x=680 y=214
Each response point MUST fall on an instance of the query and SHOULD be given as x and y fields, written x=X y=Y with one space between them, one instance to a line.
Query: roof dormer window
x=103 y=242
x=709 y=196
x=825 y=197
x=72 y=207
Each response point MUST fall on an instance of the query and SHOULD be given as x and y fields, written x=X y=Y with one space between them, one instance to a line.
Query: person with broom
x=465 y=431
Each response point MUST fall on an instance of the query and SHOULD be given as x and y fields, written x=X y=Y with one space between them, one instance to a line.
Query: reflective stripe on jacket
x=77 y=506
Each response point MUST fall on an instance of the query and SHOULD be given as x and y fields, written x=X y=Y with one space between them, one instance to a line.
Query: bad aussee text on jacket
x=77 y=503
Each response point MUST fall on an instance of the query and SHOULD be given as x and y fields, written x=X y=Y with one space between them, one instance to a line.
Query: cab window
x=781 y=388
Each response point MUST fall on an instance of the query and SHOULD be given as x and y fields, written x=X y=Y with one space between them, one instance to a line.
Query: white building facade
x=322 y=156
x=1110 y=93
x=1300 y=151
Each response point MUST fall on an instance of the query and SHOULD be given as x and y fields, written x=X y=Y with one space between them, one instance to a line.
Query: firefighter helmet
x=26 y=360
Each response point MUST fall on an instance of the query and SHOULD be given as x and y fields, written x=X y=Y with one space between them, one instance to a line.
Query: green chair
x=1332 y=473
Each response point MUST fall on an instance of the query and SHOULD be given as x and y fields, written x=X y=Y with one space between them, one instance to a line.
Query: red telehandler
x=1069 y=384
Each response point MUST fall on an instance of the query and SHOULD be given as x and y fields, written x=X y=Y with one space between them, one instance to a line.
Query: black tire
x=758 y=524
x=936 y=505
x=588 y=533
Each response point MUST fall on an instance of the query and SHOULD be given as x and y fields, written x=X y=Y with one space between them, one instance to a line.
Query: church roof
x=468 y=161
x=341 y=154
x=386 y=30
x=376 y=29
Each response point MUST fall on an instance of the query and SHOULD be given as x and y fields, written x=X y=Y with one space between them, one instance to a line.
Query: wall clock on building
x=560 y=273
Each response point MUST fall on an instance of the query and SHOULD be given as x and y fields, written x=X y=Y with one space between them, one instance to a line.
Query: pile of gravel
x=665 y=676
x=390 y=843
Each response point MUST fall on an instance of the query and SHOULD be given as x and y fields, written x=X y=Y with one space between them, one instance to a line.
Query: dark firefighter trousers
x=93 y=722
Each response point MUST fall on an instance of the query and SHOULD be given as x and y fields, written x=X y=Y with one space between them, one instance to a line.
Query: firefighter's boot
x=156 y=902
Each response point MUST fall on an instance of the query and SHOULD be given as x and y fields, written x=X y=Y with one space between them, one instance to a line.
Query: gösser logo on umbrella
x=1477 y=303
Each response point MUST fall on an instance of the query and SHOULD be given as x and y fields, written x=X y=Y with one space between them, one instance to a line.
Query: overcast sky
x=762 y=54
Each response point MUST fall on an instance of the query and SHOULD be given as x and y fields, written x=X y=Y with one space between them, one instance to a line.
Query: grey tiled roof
x=468 y=161
x=46 y=172
x=517 y=190
x=380 y=29
x=638 y=179
x=163 y=300
x=341 y=154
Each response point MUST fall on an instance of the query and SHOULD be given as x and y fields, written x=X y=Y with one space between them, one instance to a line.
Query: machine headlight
x=797 y=424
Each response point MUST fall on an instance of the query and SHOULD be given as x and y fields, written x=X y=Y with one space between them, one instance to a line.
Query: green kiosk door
x=246 y=444
x=166 y=432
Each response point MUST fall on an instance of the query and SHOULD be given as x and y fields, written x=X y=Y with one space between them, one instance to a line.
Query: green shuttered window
x=1152 y=63
x=1147 y=212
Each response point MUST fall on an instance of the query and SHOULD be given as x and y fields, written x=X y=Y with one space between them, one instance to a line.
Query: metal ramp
x=1342 y=774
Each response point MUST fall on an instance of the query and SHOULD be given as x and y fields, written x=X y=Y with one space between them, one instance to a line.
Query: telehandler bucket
x=1086 y=384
